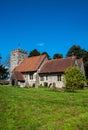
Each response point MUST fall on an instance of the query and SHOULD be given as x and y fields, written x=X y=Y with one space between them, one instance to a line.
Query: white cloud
x=40 y=44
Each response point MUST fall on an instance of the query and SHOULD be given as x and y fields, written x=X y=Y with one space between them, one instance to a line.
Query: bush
x=74 y=79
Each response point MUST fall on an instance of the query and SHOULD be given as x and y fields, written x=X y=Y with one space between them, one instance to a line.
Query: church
x=38 y=70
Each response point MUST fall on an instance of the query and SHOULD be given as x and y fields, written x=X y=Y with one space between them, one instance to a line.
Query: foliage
x=85 y=59
x=3 y=72
x=57 y=56
x=76 y=51
x=35 y=52
x=79 y=53
x=74 y=78
x=42 y=109
x=46 y=55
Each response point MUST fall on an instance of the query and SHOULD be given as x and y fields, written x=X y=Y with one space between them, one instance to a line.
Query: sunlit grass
x=42 y=109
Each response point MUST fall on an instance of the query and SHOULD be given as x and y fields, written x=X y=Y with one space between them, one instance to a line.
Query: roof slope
x=58 y=65
x=30 y=64
x=19 y=76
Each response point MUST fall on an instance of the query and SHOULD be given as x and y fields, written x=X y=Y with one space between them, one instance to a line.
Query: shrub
x=74 y=79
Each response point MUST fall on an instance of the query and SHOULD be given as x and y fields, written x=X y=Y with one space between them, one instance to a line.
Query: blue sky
x=46 y=25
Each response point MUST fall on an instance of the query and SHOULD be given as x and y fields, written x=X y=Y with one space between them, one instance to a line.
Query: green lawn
x=42 y=109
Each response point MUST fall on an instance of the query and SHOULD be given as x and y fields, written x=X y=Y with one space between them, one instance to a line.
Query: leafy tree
x=76 y=51
x=46 y=55
x=3 y=72
x=57 y=56
x=74 y=79
x=34 y=53
x=85 y=59
x=79 y=53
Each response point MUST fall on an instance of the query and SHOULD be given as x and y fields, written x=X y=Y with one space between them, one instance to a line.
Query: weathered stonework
x=16 y=58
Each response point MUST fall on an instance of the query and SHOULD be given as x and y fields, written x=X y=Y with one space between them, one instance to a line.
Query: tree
x=76 y=51
x=57 y=56
x=0 y=59
x=3 y=73
x=6 y=62
x=79 y=53
x=85 y=60
x=34 y=53
x=74 y=79
x=46 y=55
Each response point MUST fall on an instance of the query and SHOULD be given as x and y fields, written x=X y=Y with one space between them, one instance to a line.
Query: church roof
x=19 y=76
x=58 y=65
x=30 y=64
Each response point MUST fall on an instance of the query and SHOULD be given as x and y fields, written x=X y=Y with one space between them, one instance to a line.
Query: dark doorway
x=13 y=82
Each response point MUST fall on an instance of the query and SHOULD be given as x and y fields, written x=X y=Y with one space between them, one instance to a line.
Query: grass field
x=42 y=109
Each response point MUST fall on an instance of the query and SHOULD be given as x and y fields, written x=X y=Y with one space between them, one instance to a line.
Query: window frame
x=59 y=77
x=31 y=76
x=46 y=77
x=41 y=78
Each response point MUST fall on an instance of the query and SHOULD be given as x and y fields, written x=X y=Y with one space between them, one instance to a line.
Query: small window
x=59 y=77
x=42 y=78
x=31 y=76
x=46 y=77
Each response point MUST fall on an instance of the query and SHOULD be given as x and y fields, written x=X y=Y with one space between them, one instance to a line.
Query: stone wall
x=16 y=58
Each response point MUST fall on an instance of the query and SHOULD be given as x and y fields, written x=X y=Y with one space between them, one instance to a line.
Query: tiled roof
x=30 y=64
x=58 y=65
x=19 y=76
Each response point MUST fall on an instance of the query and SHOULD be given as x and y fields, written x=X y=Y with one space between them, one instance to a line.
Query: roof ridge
x=37 y=56
x=61 y=58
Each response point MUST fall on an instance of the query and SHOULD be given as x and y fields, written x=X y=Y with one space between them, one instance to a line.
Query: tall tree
x=76 y=51
x=79 y=53
x=6 y=62
x=85 y=59
x=3 y=73
x=57 y=56
x=34 y=52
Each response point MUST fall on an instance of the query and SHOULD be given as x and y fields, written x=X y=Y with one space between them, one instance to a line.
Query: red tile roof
x=30 y=64
x=19 y=76
x=58 y=65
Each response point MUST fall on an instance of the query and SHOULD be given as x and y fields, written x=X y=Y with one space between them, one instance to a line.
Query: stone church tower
x=16 y=58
